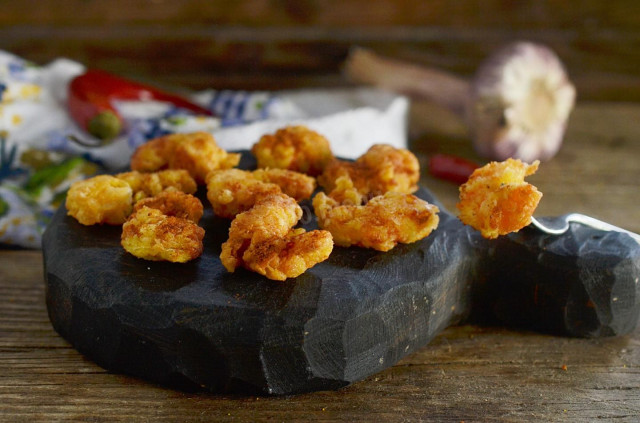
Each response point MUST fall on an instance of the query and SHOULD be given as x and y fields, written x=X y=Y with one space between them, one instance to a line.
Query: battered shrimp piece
x=155 y=154
x=262 y=240
x=294 y=184
x=496 y=200
x=381 y=169
x=152 y=235
x=295 y=148
x=234 y=191
x=148 y=184
x=100 y=199
x=199 y=154
x=174 y=203
x=272 y=218
x=195 y=152
x=289 y=256
x=381 y=223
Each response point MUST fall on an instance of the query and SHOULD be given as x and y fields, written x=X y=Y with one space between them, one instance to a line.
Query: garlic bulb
x=520 y=101
x=517 y=105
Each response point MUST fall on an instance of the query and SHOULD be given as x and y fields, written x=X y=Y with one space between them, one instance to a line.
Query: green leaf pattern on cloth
x=42 y=151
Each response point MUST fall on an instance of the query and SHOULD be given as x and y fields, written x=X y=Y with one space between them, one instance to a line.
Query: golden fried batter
x=271 y=218
x=195 y=152
x=290 y=256
x=381 y=223
x=151 y=235
x=174 y=203
x=295 y=148
x=261 y=240
x=234 y=191
x=155 y=154
x=199 y=154
x=381 y=169
x=148 y=184
x=101 y=199
x=496 y=200
x=294 y=184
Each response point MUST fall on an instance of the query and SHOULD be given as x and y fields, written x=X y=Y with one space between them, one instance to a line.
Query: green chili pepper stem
x=105 y=125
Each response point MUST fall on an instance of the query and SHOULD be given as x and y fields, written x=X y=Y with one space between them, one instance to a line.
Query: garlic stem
x=443 y=88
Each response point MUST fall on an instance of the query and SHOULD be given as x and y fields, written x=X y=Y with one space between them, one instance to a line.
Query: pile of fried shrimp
x=366 y=203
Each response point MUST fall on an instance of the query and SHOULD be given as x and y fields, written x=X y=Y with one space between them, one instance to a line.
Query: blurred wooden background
x=257 y=44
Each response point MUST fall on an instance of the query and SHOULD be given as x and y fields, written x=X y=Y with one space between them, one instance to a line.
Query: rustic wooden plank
x=584 y=14
x=255 y=44
x=603 y=64
x=467 y=373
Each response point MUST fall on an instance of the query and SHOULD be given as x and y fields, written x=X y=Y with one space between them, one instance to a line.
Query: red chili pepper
x=91 y=97
x=451 y=168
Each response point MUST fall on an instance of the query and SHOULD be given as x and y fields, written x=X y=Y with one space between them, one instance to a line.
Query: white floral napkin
x=42 y=151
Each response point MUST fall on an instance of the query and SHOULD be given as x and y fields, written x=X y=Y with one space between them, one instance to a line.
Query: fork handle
x=599 y=224
x=585 y=282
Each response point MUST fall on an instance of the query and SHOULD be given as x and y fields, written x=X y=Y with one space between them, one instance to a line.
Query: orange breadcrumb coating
x=100 y=199
x=148 y=184
x=295 y=148
x=174 y=203
x=496 y=200
x=289 y=256
x=151 y=235
x=155 y=153
x=381 y=223
x=262 y=240
x=195 y=152
x=381 y=169
x=234 y=191
x=294 y=184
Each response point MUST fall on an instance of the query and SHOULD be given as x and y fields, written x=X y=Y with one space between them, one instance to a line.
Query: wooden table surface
x=467 y=373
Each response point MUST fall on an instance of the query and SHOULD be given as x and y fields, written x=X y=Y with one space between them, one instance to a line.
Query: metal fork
x=559 y=225
x=92 y=144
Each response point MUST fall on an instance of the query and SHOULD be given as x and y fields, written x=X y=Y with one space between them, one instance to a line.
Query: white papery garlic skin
x=520 y=101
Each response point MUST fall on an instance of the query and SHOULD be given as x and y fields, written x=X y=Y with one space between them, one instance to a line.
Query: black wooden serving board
x=195 y=325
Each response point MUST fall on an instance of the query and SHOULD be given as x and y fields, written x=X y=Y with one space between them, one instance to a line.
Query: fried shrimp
x=269 y=219
x=234 y=191
x=174 y=203
x=152 y=235
x=148 y=184
x=196 y=152
x=295 y=148
x=289 y=256
x=381 y=169
x=98 y=200
x=262 y=240
x=381 y=223
x=294 y=184
x=496 y=200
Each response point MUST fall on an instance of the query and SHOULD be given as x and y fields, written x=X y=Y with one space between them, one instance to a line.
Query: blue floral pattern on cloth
x=42 y=151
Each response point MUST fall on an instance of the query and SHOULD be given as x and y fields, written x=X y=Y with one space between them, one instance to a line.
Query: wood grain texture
x=469 y=373
x=249 y=44
x=195 y=325
x=596 y=172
